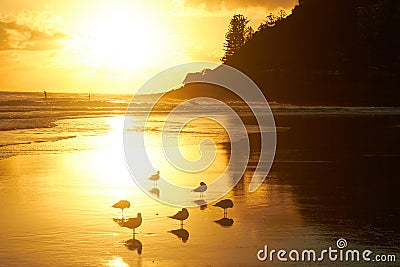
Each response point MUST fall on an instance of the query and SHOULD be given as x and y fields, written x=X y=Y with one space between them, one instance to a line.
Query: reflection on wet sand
x=131 y=223
x=201 y=203
x=181 y=233
x=134 y=244
x=331 y=177
x=155 y=191
x=343 y=169
x=225 y=222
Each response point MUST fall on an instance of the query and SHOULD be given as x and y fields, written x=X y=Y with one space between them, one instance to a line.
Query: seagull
x=224 y=204
x=133 y=223
x=180 y=215
x=201 y=189
x=122 y=204
x=155 y=178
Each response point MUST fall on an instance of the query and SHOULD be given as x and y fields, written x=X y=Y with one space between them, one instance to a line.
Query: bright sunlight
x=124 y=37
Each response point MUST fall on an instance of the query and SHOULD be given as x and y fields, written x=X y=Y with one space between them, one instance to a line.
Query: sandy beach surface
x=56 y=211
x=56 y=200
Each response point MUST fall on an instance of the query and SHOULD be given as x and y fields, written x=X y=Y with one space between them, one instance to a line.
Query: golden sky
x=111 y=46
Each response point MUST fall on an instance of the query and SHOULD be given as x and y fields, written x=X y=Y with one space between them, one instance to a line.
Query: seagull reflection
x=155 y=191
x=131 y=223
x=201 y=203
x=225 y=222
x=181 y=233
x=134 y=244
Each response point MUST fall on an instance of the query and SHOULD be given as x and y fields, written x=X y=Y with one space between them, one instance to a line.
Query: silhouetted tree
x=249 y=32
x=238 y=33
x=272 y=19
x=281 y=15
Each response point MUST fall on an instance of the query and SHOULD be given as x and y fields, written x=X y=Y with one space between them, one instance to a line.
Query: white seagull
x=201 y=189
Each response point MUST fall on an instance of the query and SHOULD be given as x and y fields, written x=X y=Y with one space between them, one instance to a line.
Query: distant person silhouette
x=89 y=97
x=45 y=94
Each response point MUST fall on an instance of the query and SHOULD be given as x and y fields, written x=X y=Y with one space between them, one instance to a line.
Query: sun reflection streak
x=116 y=262
x=189 y=147
x=107 y=166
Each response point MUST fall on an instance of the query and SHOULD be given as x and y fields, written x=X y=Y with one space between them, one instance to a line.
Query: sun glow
x=124 y=37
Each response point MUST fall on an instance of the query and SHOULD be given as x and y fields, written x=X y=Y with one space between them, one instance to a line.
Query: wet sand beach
x=333 y=177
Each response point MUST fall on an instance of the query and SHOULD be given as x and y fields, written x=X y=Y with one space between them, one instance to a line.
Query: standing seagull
x=133 y=223
x=155 y=178
x=181 y=215
x=224 y=204
x=122 y=204
x=201 y=189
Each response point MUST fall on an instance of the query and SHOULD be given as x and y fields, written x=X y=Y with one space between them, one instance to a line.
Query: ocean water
x=29 y=118
x=334 y=176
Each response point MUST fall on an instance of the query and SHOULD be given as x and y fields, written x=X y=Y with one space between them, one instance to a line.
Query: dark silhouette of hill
x=327 y=52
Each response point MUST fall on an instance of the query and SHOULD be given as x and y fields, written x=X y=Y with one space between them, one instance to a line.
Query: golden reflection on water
x=67 y=198
x=116 y=262
x=188 y=144
x=105 y=168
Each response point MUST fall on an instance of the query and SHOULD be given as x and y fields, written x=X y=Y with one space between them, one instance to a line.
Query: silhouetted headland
x=327 y=52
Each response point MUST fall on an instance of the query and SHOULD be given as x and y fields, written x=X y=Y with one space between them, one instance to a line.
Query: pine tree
x=238 y=33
